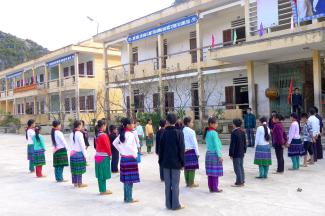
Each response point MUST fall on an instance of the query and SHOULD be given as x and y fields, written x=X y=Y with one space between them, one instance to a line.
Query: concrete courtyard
x=22 y=194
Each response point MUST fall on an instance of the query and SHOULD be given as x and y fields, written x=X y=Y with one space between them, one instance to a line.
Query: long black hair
x=100 y=124
x=267 y=136
x=211 y=120
x=112 y=128
x=76 y=124
x=55 y=123
x=37 y=131
x=30 y=122
x=124 y=123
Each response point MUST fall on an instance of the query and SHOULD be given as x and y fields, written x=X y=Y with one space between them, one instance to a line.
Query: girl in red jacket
x=102 y=158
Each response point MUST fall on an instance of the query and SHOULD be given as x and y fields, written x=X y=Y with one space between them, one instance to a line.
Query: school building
x=67 y=83
x=206 y=55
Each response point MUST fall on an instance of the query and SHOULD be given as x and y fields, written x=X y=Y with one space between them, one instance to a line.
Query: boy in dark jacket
x=237 y=152
x=160 y=132
x=250 y=125
x=171 y=159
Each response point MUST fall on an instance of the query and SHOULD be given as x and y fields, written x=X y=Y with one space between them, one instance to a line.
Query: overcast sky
x=57 y=23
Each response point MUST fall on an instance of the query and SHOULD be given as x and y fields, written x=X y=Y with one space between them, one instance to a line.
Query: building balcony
x=180 y=62
x=145 y=69
x=117 y=74
x=25 y=88
x=274 y=45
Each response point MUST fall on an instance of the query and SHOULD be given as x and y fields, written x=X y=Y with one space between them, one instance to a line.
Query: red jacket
x=103 y=144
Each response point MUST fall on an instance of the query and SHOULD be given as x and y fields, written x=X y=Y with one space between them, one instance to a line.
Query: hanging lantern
x=272 y=93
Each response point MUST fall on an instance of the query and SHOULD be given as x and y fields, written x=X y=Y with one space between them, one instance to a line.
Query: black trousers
x=161 y=172
x=319 y=148
x=115 y=159
x=296 y=109
x=279 y=157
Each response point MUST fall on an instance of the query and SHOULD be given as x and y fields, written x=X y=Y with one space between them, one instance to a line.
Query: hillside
x=14 y=50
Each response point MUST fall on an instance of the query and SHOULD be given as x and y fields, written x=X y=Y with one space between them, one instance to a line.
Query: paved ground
x=22 y=194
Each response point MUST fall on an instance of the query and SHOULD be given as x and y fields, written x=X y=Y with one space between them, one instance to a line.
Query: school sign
x=171 y=26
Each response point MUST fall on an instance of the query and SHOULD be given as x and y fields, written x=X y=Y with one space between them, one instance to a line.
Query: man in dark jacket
x=237 y=152
x=250 y=125
x=297 y=102
x=160 y=132
x=171 y=158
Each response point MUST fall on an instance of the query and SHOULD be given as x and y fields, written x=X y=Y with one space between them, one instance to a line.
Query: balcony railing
x=25 y=88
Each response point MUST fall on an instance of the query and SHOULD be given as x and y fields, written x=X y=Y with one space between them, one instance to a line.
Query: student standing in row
x=39 y=152
x=263 y=149
x=30 y=132
x=295 y=147
x=60 y=152
x=213 y=158
x=319 y=138
x=85 y=134
x=102 y=158
x=140 y=132
x=315 y=124
x=115 y=154
x=149 y=136
x=250 y=125
x=307 y=138
x=191 y=152
x=237 y=152
x=171 y=158
x=78 y=155
x=128 y=147
x=279 y=139
x=160 y=132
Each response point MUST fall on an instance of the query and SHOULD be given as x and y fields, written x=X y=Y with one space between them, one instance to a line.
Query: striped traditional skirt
x=213 y=165
x=77 y=163
x=191 y=160
x=30 y=150
x=129 y=172
x=149 y=141
x=39 y=157
x=263 y=155
x=296 y=148
x=60 y=158
x=102 y=167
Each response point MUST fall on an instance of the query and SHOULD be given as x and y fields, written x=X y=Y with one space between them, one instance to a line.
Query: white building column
x=317 y=76
x=107 y=96
x=130 y=89
x=251 y=86
x=199 y=73
x=61 y=107
x=77 y=91
x=160 y=72
x=35 y=107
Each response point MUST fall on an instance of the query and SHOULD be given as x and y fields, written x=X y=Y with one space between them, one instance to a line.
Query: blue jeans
x=172 y=177
x=239 y=170
x=128 y=188
x=250 y=137
x=58 y=171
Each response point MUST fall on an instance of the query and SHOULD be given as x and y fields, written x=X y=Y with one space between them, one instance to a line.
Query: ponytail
x=55 y=124
x=124 y=123
x=37 y=132
x=267 y=136
x=205 y=132
x=30 y=122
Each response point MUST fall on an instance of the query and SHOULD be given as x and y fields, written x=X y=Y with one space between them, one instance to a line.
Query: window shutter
x=90 y=71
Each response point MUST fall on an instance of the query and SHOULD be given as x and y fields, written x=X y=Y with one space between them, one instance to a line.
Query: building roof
x=157 y=18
